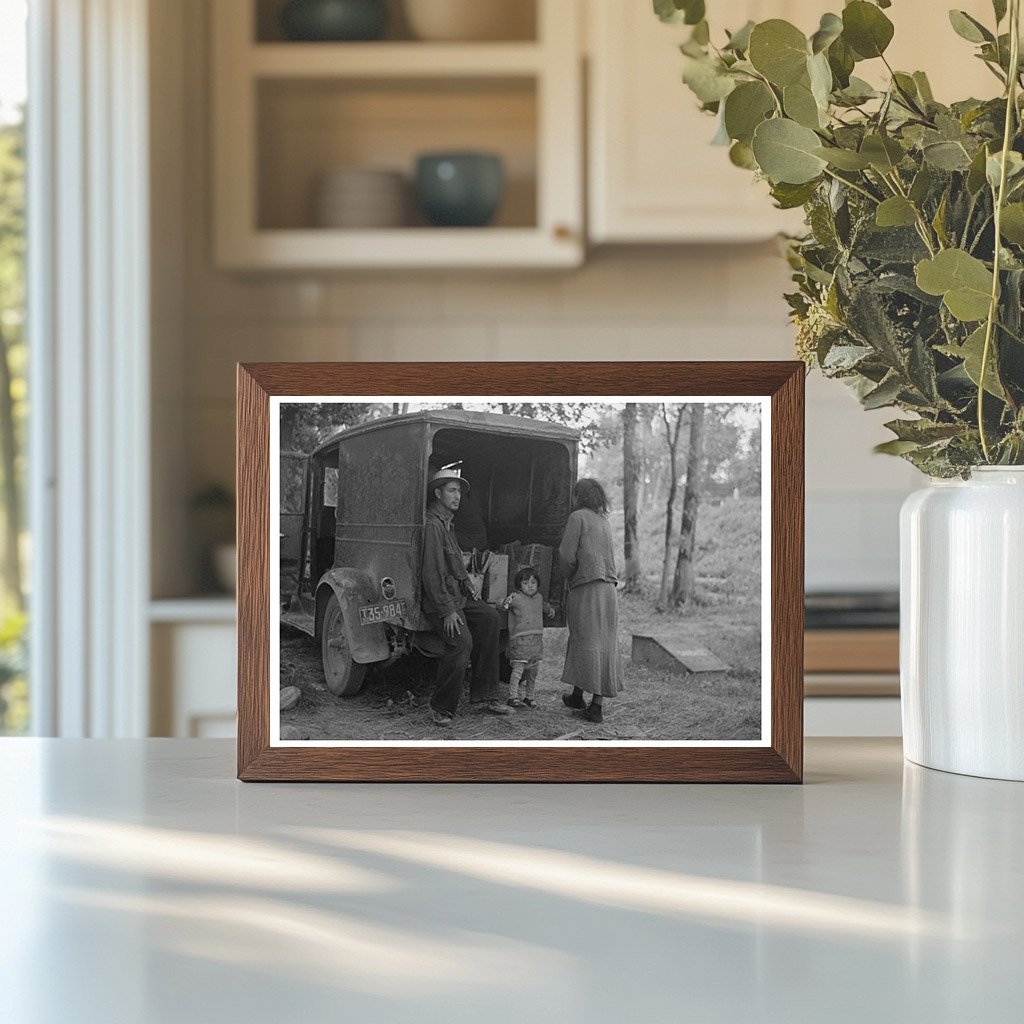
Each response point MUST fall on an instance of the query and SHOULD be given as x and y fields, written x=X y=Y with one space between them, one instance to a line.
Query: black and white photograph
x=539 y=571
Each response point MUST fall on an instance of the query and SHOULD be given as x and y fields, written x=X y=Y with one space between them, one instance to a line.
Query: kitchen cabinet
x=653 y=175
x=287 y=113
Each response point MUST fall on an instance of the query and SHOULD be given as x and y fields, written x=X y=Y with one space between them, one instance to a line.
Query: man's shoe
x=514 y=702
x=593 y=713
x=440 y=718
x=573 y=700
x=529 y=702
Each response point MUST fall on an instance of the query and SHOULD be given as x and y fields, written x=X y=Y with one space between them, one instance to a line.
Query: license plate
x=371 y=613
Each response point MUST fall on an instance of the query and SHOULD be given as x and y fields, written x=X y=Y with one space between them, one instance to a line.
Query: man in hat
x=469 y=627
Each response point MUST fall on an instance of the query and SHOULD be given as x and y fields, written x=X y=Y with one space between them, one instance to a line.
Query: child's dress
x=525 y=643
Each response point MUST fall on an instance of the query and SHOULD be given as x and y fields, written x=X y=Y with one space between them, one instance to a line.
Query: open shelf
x=308 y=127
x=287 y=113
x=519 y=17
x=394 y=60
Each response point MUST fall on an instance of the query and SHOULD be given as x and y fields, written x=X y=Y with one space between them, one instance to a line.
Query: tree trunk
x=11 y=491
x=672 y=436
x=630 y=481
x=685 y=578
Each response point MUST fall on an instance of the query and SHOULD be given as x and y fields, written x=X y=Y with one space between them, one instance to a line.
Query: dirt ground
x=654 y=705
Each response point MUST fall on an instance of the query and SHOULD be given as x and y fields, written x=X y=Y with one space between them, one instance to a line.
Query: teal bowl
x=333 y=21
x=460 y=190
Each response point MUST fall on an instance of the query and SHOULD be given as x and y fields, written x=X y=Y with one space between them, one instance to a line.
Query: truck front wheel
x=343 y=675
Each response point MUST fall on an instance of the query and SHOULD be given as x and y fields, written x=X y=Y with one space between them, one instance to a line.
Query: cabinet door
x=653 y=174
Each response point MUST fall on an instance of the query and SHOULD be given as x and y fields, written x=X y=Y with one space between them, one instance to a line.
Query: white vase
x=962 y=624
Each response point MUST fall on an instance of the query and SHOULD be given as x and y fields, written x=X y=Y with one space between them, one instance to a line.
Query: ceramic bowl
x=358 y=197
x=460 y=189
x=334 y=20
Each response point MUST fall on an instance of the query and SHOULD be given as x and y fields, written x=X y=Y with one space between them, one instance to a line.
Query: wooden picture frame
x=776 y=757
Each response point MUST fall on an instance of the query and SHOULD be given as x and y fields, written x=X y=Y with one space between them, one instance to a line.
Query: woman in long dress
x=588 y=558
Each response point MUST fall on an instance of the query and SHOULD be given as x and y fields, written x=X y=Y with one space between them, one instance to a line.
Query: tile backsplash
x=716 y=302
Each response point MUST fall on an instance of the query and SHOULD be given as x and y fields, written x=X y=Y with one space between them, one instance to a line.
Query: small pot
x=460 y=189
x=334 y=20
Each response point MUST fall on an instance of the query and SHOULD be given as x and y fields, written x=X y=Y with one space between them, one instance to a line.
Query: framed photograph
x=520 y=572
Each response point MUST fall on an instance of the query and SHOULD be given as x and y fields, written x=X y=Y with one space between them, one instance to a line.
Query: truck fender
x=353 y=587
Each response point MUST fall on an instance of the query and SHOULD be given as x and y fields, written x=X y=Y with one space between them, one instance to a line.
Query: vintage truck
x=351 y=524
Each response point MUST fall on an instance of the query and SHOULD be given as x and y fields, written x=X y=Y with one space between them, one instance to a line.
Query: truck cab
x=352 y=514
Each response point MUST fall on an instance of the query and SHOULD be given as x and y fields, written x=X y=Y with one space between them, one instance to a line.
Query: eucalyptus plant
x=909 y=281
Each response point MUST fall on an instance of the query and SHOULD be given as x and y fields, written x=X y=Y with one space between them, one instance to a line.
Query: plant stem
x=922 y=225
x=850 y=184
x=993 y=309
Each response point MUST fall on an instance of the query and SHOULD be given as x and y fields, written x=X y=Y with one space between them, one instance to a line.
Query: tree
x=306 y=425
x=685 y=578
x=586 y=417
x=630 y=483
x=12 y=356
x=672 y=431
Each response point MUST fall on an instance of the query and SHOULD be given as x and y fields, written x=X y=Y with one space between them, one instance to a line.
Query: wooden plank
x=673 y=654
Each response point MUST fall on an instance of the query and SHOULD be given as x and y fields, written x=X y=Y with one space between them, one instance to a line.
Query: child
x=526 y=609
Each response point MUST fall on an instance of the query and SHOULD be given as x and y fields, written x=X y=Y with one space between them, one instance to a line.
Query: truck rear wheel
x=343 y=675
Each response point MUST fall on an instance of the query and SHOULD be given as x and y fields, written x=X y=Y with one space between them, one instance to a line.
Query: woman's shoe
x=593 y=713
x=574 y=701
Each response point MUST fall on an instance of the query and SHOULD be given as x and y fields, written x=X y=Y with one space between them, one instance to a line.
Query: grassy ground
x=654 y=705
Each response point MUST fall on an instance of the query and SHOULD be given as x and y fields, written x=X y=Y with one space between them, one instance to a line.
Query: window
x=14 y=706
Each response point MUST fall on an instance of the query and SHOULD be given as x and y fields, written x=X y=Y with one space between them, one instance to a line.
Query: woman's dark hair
x=525 y=573
x=590 y=494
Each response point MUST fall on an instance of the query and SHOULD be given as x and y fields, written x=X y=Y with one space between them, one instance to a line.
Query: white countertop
x=143 y=884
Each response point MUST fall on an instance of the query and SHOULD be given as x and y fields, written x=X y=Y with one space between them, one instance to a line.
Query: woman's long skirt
x=592 y=655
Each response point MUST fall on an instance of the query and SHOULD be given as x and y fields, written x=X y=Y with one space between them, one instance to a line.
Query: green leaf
x=800 y=105
x=830 y=28
x=968 y=28
x=939 y=220
x=841 y=60
x=844 y=159
x=923 y=431
x=778 y=50
x=820 y=75
x=924 y=88
x=858 y=91
x=742 y=155
x=883 y=153
x=745 y=108
x=789 y=197
x=1011 y=226
x=866 y=29
x=946 y=156
x=701 y=33
x=1014 y=169
x=963 y=281
x=676 y=12
x=739 y=41
x=999 y=7
x=708 y=81
x=895 y=447
x=976 y=175
x=785 y=152
x=896 y=212
x=885 y=394
x=971 y=352
x=921 y=186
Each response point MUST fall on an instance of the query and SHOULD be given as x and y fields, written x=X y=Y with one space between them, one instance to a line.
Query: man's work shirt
x=443 y=573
